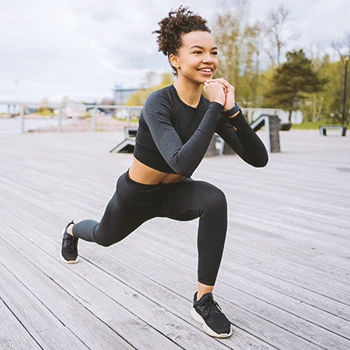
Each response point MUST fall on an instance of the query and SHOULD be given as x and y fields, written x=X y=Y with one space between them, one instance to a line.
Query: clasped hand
x=221 y=91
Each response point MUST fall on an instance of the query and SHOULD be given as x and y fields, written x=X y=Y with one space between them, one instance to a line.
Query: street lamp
x=346 y=59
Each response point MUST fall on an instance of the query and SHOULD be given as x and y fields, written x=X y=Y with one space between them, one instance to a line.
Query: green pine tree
x=292 y=81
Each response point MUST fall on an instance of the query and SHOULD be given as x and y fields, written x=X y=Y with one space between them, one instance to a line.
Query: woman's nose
x=207 y=58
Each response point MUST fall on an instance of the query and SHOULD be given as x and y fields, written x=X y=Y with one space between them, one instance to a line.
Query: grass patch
x=44 y=112
x=311 y=126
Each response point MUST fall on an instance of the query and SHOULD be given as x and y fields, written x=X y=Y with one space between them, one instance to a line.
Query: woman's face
x=197 y=58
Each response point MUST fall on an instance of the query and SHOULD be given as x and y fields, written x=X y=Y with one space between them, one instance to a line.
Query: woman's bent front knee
x=106 y=240
x=215 y=200
x=103 y=237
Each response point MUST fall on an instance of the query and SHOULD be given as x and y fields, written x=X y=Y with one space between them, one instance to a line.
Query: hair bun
x=178 y=22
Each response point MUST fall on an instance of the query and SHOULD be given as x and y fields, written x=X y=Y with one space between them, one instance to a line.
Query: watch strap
x=232 y=111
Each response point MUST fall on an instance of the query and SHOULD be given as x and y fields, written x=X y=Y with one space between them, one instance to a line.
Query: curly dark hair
x=178 y=22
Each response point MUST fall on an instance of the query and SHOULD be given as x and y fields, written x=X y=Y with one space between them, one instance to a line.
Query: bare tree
x=256 y=41
x=275 y=32
x=319 y=59
x=343 y=48
x=149 y=79
x=342 y=45
x=240 y=45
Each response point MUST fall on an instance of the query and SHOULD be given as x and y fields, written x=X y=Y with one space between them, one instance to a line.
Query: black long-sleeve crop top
x=173 y=137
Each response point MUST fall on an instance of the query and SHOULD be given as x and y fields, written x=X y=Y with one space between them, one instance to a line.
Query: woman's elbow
x=185 y=172
x=261 y=162
x=183 y=167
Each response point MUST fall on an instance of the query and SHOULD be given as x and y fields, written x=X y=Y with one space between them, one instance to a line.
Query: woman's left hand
x=229 y=92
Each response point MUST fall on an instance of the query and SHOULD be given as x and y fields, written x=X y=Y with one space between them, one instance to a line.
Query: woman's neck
x=188 y=92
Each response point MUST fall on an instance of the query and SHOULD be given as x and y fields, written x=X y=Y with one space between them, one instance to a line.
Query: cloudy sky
x=82 y=48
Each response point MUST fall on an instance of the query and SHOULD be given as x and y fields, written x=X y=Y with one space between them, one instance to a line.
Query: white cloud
x=83 y=47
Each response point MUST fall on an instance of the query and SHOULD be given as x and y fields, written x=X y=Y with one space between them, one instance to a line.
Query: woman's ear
x=173 y=61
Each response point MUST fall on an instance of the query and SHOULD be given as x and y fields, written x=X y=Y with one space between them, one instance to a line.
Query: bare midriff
x=142 y=173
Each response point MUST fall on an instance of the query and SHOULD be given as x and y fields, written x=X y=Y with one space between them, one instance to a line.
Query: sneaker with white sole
x=208 y=313
x=69 y=249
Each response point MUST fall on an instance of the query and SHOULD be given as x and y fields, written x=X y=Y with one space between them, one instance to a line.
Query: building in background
x=122 y=95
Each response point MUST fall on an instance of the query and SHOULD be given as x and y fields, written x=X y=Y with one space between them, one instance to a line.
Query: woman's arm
x=238 y=134
x=183 y=159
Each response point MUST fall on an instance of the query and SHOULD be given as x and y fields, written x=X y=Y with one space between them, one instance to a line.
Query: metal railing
x=122 y=113
x=125 y=113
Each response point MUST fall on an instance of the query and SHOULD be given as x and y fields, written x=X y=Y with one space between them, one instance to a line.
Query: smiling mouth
x=206 y=70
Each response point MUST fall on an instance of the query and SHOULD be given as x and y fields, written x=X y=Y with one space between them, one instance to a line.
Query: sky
x=83 y=48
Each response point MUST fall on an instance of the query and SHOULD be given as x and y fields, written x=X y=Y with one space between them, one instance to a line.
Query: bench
x=324 y=128
x=128 y=144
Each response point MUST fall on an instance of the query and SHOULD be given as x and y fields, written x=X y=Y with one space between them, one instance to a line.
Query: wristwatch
x=232 y=111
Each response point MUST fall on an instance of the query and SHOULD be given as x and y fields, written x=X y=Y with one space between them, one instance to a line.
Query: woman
x=176 y=126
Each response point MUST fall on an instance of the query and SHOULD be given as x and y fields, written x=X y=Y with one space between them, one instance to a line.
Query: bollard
x=275 y=126
x=272 y=126
x=272 y=131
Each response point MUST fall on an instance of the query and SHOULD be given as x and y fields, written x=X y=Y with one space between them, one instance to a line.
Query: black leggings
x=134 y=203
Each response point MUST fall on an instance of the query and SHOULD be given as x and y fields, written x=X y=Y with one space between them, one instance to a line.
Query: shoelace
x=208 y=306
x=69 y=243
x=213 y=305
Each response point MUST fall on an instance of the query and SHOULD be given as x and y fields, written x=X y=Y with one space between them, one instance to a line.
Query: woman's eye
x=197 y=52
x=214 y=53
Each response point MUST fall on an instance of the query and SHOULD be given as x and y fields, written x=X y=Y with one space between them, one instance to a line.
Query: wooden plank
x=243 y=338
x=292 y=196
x=291 y=244
x=298 y=229
x=127 y=325
x=337 y=277
x=322 y=287
x=189 y=338
x=38 y=321
x=12 y=333
x=342 y=273
x=250 y=342
x=294 y=308
x=273 y=282
x=72 y=314
x=291 y=305
x=250 y=322
x=251 y=244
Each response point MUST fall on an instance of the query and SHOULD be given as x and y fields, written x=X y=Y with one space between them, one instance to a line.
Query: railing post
x=21 y=108
x=60 y=129
x=268 y=134
x=128 y=117
x=94 y=116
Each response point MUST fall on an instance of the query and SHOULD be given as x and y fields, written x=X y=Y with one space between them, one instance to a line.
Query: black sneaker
x=208 y=313
x=69 y=251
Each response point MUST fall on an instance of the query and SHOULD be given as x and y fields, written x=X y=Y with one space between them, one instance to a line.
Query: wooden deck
x=284 y=281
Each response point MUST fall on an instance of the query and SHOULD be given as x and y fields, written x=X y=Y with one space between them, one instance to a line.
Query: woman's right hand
x=215 y=92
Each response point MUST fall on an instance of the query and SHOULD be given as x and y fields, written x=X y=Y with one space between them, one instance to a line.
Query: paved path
x=284 y=280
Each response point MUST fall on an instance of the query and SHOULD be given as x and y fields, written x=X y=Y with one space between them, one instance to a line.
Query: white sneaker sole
x=206 y=329
x=69 y=261
x=63 y=259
